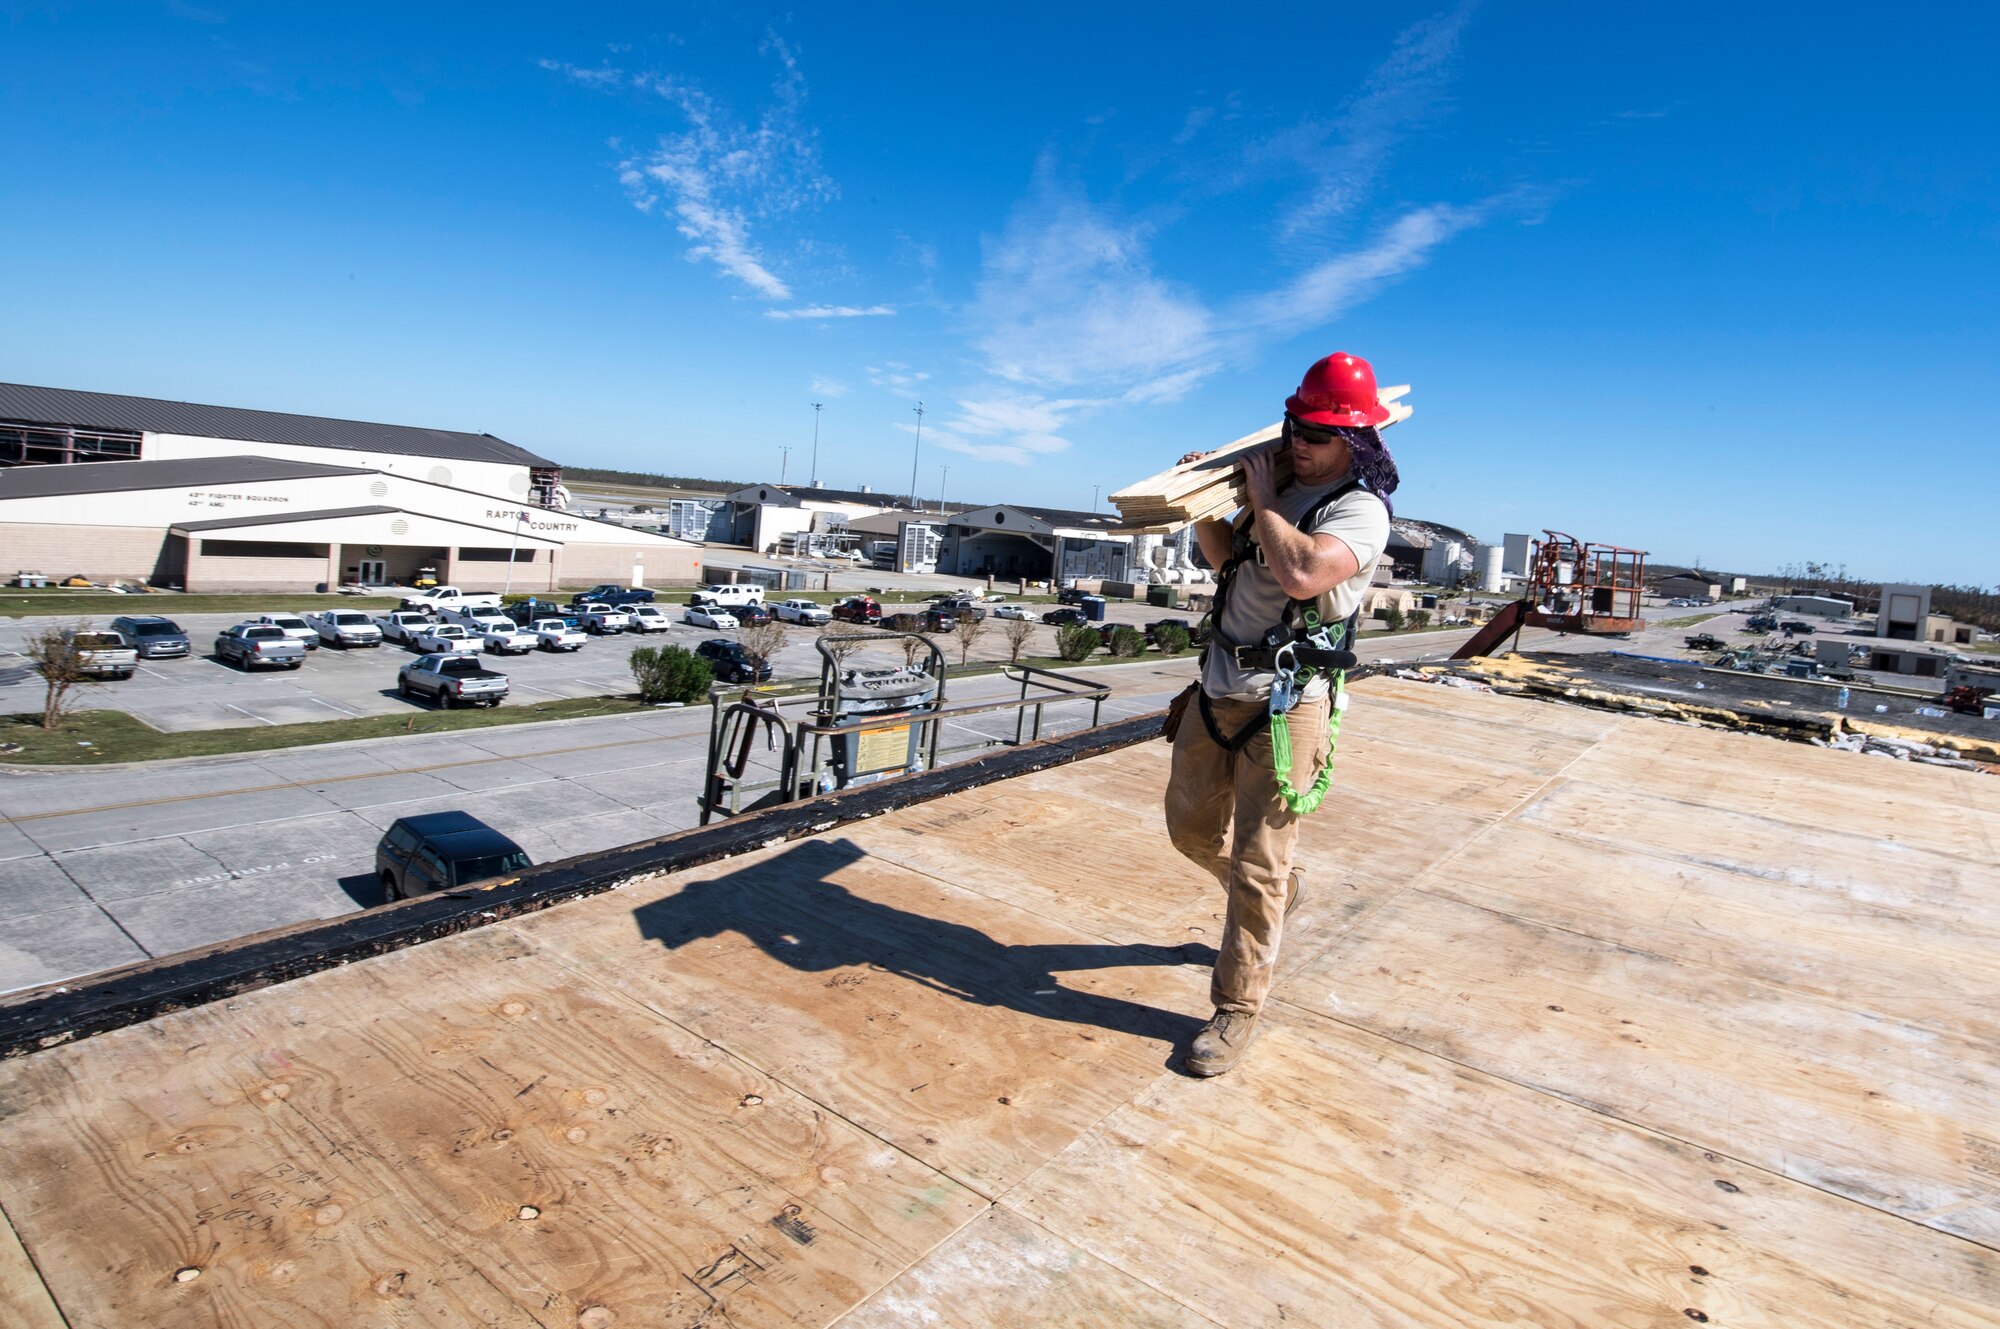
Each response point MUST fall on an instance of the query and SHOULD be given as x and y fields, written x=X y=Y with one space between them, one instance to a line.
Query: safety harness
x=1295 y=649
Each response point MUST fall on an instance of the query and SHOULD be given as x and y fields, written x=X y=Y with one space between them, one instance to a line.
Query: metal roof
x=287 y=518
x=113 y=477
x=102 y=410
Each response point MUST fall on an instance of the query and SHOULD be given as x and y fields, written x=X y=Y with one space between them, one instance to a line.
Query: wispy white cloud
x=1068 y=296
x=823 y=386
x=831 y=311
x=1327 y=290
x=721 y=174
x=1344 y=155
x=898 y=378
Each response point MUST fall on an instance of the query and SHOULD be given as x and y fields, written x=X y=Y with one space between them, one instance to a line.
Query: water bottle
x=1842 y=703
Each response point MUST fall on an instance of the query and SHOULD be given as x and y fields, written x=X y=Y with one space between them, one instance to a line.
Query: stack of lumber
x=1213 y=486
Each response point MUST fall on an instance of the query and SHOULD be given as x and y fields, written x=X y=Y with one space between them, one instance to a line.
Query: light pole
x=815 y=474
x=1093 y=496
x=919 y=409
x=784 y=459
x=944 y=475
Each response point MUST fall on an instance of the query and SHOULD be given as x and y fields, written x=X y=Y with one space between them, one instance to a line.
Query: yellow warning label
x=881 y=749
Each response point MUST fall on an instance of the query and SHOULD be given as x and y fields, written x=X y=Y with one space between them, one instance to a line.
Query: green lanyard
x=1281 y=752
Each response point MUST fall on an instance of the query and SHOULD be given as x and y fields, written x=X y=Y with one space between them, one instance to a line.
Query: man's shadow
x=793 y=910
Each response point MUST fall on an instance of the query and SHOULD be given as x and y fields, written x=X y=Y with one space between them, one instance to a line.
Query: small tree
x=839 y=640
x=1076 y=641
x=57 y=659
x=1171 y=639
x=761 y=642
x=970 y=630
x=912 y=648
x=670 y=673
x=1018 y=632
x=1127 y=642
x=1393 y=616
x=1419 y=618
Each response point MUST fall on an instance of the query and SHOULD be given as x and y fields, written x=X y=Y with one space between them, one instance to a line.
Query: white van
x=728 y=596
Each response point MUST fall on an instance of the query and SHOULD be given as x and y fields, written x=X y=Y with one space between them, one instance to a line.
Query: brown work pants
x=1212 y=793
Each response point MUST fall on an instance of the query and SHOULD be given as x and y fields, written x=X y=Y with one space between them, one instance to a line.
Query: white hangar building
x=213 y=498
x=1013 y=541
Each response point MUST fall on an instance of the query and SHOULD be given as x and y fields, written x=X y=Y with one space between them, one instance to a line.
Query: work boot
x=1221 y=1043
x=1296 y=893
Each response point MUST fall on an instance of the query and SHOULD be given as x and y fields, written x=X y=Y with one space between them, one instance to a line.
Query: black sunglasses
x=1311 y=433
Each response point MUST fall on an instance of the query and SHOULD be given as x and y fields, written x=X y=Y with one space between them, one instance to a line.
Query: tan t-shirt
x=1255 y=601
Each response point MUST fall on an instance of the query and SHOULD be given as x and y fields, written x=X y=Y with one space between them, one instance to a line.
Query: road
x=104 y=866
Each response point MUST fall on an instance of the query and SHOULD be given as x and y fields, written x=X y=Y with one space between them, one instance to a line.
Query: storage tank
x=1492 y=559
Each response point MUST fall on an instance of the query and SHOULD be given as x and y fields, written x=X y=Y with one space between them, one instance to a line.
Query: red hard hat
x=1339 y=390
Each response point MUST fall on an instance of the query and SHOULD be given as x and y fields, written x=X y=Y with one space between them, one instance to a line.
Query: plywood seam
x=1860 y=1006
x=1813 y=828
x=1530 y=797
x=1101 y=1256
x=1597 y=1110
x=1657 y=854
x=562 y=961
x=21 y=1243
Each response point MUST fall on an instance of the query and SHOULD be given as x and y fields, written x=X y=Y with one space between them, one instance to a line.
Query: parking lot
x=199 y=692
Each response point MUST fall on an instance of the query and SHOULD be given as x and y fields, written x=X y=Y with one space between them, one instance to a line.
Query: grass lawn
x=1687 y=620
x=91 y=738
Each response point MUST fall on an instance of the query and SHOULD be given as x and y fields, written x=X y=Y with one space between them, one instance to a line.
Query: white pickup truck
x=403 y=626
x=448 y=638
x=102 y=654
x=345 y=628
x=440 y=598
x=555 y=634
x=801 y=611
x=603 y=618
x=478 y=618
x=508 y=638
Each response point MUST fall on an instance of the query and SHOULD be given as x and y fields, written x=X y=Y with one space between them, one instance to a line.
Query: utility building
x=219 y=498
x=1036 y=543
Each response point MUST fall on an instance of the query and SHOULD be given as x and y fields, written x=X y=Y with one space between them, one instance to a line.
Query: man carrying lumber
x=1291 y=571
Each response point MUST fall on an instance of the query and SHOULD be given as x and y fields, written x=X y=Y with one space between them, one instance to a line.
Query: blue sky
x=1714 y=281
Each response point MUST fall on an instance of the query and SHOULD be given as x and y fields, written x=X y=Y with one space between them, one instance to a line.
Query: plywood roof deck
x=1589 y=1020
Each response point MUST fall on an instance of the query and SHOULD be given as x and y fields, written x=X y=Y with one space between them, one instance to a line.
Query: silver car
x=153 y=637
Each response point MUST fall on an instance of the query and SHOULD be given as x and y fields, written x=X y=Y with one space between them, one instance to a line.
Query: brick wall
x=101 y=553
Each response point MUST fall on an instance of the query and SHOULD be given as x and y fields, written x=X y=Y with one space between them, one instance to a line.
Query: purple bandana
x=1373 y=465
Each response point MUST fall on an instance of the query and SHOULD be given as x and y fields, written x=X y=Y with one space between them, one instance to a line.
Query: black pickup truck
x=525 y=612
x=1705 y=641
x=614 y=596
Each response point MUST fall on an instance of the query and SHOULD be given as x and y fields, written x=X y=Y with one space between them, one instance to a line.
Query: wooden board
x=1893 y=1116
x=1003 y=1270
x=24 y=1301
x=921 y=1068
x=369 y=1143
x=975 y=1035
x=1344 y=1179
x=1905 y=957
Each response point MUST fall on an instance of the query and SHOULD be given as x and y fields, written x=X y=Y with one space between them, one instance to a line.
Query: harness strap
x=1251 y=727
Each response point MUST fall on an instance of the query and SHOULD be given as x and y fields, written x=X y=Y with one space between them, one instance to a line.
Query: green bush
x=1127 y=642
x=1392 y=616
x=1172 y=640
x=1075 y=641
x=1419 y=618
x=670 y=673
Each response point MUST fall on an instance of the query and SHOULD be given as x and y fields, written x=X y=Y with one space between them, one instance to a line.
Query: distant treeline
x=649 y=479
